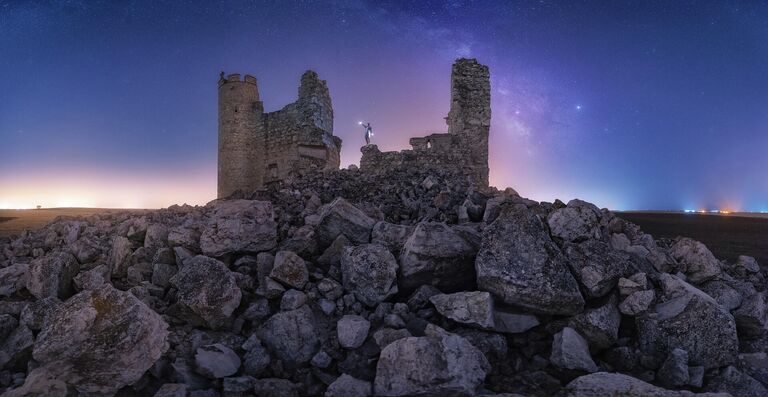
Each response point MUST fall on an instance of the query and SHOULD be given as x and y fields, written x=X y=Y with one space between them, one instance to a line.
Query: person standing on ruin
x=368 y=132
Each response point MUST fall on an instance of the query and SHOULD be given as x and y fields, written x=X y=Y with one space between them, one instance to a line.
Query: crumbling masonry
x=465 y=147
x=257 y=148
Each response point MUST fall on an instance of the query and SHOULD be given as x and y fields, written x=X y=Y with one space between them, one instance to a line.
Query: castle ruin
x=465 y=147
x=258 y=148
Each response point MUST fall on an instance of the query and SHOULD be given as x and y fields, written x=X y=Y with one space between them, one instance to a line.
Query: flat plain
x=13 y=222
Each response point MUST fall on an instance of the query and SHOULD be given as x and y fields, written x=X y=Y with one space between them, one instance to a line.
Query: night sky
x=631 y=105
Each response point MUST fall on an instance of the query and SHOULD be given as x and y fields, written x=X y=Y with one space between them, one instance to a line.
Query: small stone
x=292 y=299
x=347 y=386
x=474 y=308
x=637 y=303
x=216 y=361
x=290 y=269
x=513 y=323
x=674 y=371
x=570 y=351
x=321 y=359
x=352 y=331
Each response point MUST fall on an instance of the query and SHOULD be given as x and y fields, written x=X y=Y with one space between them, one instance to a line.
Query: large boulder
x=290 y=269
x=522 y=266
x=439 y=255
x=445 y=365
x=13 y=278
x=475 y=308
x=609 y=384
x=291 y=336
x=599 y=325
x=370 y=272
x=695 y=260
x=691 y=320
x=52 y=274
x=101 y=340
x=352 y=331
x=391 y=235
x=570 y=351
x=120 y=256
x=239 y=226
x=751 y=316
x=207 y=288
x=342 y=218
x=597 y=266
x=577 y=221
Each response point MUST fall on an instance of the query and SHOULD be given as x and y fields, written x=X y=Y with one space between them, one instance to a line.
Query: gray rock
x=183 y=236
x=51 y=275
x=332 y=255
x=352 y=331
x=172 y=390
x=696 y=261
x=16 y=346
x=385 y=336
x=36 y=313
x=578 y=221
x=292 y=299
x=321 y=359
x=628 y=286
x=438 y=255
x=391 y=236
x=239 y=226
x=96 y=332
x=747 y=263
x=120 y=256
x=13 y=278
x=330 y=288
x=369 y=271
x=419 y=299
x=291 y=336
x=731 y=380
x=273 y=387
x=208 y=289
x=674 y=371
x=92 y=279
x=256 y=359
x=597 y=266
x=290 y=269
x=755 y=365
x=430 y=365
x=475 y=308
x=608 y=384
x=237 y=385
x=637 y=303
x=216 y=361
x=751 y=316
x=727 y=296
x=156 y=236
x=347 y=386
x=162 y=273
x=570 y=351
x=600 y=325
x=690 y=320
x=519 y=264
x=39 y=383
x=696 y=376
x=510 y=322
x=342 y=218
x=8 y=324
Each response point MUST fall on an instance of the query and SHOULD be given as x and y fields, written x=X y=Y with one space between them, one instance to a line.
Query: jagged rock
x=92 y=279
x=690 y=320
x=696 y=261
x=156 y=236
x=291 y=336
x=86 y=249
x=342 y=218
x=578 y=221
x=184 y=237
x=321 y=359
x=391 y=236
x=162 y=273
x=755 y=365
x=637 y=303
x=751 y=316
x=13 y=278
x=16 y=346
x=747 y=264
x=239 y=226
x=272 y=387
x=290 y=269
x=332 y=255
x=513 y=323
x=120 y=256
x=439 y=255
x=39 y=383
x=51 y=275
x=369 y=271
x=256 y=358
x=352 y=331
x=216 y=361
x=172 y=390
x=385 y=336
x=101 y=340
x=347 y=386
x=492 y=345
x=474 y=307
x=208 y=289
x=608 y=384
x=570 y=351
x=731 y=380
x=430 y=365
x=292 y=299
x=522 y=266
x=674 y=371
x=600 y=325
x=597 y=266
x=727 y=296
x=636 y=282
x=35 y=313
x=8 y=324
x=237 y=385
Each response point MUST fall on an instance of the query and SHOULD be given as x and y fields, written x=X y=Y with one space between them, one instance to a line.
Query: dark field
x=727 y=236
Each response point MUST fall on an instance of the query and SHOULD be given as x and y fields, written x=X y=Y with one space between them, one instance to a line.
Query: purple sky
x=631 y=105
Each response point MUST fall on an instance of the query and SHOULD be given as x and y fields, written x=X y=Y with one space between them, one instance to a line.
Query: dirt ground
x=13 y=222
x=727 y=236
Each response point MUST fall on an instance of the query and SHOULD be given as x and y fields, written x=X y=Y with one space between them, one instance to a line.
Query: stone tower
x=257 y=148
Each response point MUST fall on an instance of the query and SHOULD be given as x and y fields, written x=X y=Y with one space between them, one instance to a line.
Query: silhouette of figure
x=368 y=132
x=221 y=75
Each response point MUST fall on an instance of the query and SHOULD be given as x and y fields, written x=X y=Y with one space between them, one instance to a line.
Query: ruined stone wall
x=465 y=147
x=270 y=147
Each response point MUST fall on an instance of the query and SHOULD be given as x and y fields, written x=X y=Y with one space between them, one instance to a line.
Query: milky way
x=628 y=104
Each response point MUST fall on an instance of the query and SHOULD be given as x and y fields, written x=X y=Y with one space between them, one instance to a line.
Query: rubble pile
x=343 y=283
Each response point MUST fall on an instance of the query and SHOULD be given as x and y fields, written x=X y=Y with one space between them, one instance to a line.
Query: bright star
x=578 y=107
